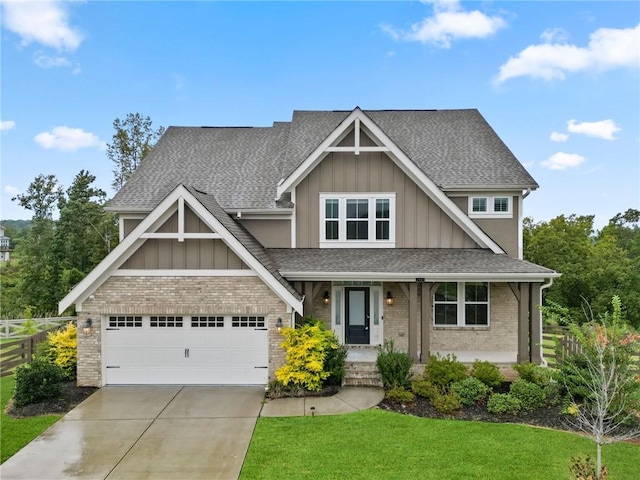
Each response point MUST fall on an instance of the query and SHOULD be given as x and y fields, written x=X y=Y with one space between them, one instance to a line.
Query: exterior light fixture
x=86 y=327
x=279 y=324
x=389 y=299
x=326 y=298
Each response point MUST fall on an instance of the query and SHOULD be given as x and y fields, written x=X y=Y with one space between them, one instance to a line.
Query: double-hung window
x=461 y=304
x=357 y=220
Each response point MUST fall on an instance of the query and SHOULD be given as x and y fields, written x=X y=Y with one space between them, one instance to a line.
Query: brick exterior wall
x=500 y=336
x=176 y=295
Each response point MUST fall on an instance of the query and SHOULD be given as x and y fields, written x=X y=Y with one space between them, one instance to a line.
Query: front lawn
x=15 y=433
x=385 y=445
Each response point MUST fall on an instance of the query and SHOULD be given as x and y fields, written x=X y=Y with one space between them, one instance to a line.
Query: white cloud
x=554 y=34
x=448 y=23
x=44 y=22
x=7 y=124
x=559 y=137
x=602 y=129
x=45 y=61
x=608 y=48
x=12 y=191
x=68 y=139
x=562 y=161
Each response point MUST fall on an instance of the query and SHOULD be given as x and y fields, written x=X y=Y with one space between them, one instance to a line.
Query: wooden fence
x=20 y=351
x=567 y=344
x=13 y=328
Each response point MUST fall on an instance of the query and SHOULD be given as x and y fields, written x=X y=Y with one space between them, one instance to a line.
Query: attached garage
x=185 y=350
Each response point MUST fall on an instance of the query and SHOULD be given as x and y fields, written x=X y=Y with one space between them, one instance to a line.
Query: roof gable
x=221 y=225
x=358 y=120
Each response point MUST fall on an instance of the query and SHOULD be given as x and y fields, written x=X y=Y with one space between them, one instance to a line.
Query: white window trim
x=460 y=302
x=491 y=213
x=342 y=242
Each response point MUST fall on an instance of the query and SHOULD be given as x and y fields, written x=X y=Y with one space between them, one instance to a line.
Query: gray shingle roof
x=242 y=235
x=424 y=262
x=242 y=166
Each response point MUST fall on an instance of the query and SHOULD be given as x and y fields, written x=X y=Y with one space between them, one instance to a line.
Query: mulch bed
x=550 y=417
x=70 y=396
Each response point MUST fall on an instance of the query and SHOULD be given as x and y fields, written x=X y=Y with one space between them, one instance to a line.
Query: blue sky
x=558 y=81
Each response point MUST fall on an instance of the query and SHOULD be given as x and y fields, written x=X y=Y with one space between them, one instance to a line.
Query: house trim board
x=411 y=277
x=405 y=164
x=167 y=207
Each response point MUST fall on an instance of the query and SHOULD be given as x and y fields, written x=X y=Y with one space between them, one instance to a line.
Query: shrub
x=394 y=366
x=307 y=347
x=470 y=390
x=533 y=373
x=503 y=404
x=585 y=469
x=424 y=389
x=531 y=396
x=487 y=372
x=35 y=381
x=400 y=395
x=447 y=402
x=63 y=350
x=443 y=371
x=334 y=365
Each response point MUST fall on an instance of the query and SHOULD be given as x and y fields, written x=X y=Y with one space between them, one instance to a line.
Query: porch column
x=535 y=333
x=523 y=323
x=308 y=298
x=427 y=309
x=414 y=313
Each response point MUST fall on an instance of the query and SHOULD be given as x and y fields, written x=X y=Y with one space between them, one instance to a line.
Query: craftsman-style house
x=387 y=225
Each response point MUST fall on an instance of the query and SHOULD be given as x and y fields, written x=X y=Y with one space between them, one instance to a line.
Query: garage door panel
x=213 y=352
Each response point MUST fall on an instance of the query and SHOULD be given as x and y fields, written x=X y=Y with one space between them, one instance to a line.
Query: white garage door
x=185 y=350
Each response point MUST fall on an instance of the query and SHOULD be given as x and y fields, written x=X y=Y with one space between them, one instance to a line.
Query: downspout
x=543 y=287
x=525 y=195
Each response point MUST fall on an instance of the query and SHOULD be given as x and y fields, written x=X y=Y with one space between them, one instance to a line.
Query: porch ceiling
x=405 y=264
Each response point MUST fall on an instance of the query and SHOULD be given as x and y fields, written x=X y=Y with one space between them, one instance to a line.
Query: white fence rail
x=15 y=328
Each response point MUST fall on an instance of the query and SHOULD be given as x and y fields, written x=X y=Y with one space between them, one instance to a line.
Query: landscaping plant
x=35 y=381
x=306 y=347
x=443 y=371
x=504 y=404
x=471 y=391
x=487 y=372
x=399 y=395
x=394 y=366
x=63 y=350
x=603 y=379
x=531 y=396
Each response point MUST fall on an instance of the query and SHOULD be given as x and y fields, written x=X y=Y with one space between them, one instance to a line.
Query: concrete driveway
x=145 y=432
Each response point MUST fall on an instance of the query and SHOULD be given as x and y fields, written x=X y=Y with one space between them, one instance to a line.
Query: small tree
x=608 y=379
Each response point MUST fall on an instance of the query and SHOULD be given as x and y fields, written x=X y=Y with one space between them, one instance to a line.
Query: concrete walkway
x=349 y=399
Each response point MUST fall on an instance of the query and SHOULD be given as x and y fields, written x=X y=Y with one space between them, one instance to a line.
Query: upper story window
x=461 y=304
x=490 y=206
x=357 y=220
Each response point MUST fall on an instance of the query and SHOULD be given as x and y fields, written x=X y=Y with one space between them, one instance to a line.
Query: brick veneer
x=176 y=295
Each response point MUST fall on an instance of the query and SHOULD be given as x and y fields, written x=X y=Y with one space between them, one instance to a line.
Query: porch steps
x=361 y=374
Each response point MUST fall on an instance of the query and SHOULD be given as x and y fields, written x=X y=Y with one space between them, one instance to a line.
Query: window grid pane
x=447 y=292
x=446 y=314
x=501 y=204
x=475 y=314
x=331 y=230
x=382 y=208
x=331 y=208
x=479 y=204
x=382 y=230
x=358 y=208
x=357 y=230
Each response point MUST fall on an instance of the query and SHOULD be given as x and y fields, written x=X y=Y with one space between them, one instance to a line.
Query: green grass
x=15 y=433
x=384 y=445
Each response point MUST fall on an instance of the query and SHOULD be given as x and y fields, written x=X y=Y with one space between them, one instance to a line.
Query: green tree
x=133 y=140
x=39 y=272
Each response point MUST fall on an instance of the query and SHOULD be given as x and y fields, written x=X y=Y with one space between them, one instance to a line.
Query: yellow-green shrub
x=307 y=347
x=63 y=350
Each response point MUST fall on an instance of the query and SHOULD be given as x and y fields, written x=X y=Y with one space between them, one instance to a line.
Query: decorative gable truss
x=363 y=128
x=179 y=201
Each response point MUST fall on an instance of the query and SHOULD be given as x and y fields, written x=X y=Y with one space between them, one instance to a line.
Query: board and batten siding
x=503 y=231
x=164 y=253
x=270 y=233
x=420 y=223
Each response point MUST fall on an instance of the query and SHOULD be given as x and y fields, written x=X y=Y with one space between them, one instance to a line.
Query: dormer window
x=357 y=220
x=490 y=207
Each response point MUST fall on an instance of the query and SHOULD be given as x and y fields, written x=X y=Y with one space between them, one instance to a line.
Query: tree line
x=595 y=264
x=70 y=232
